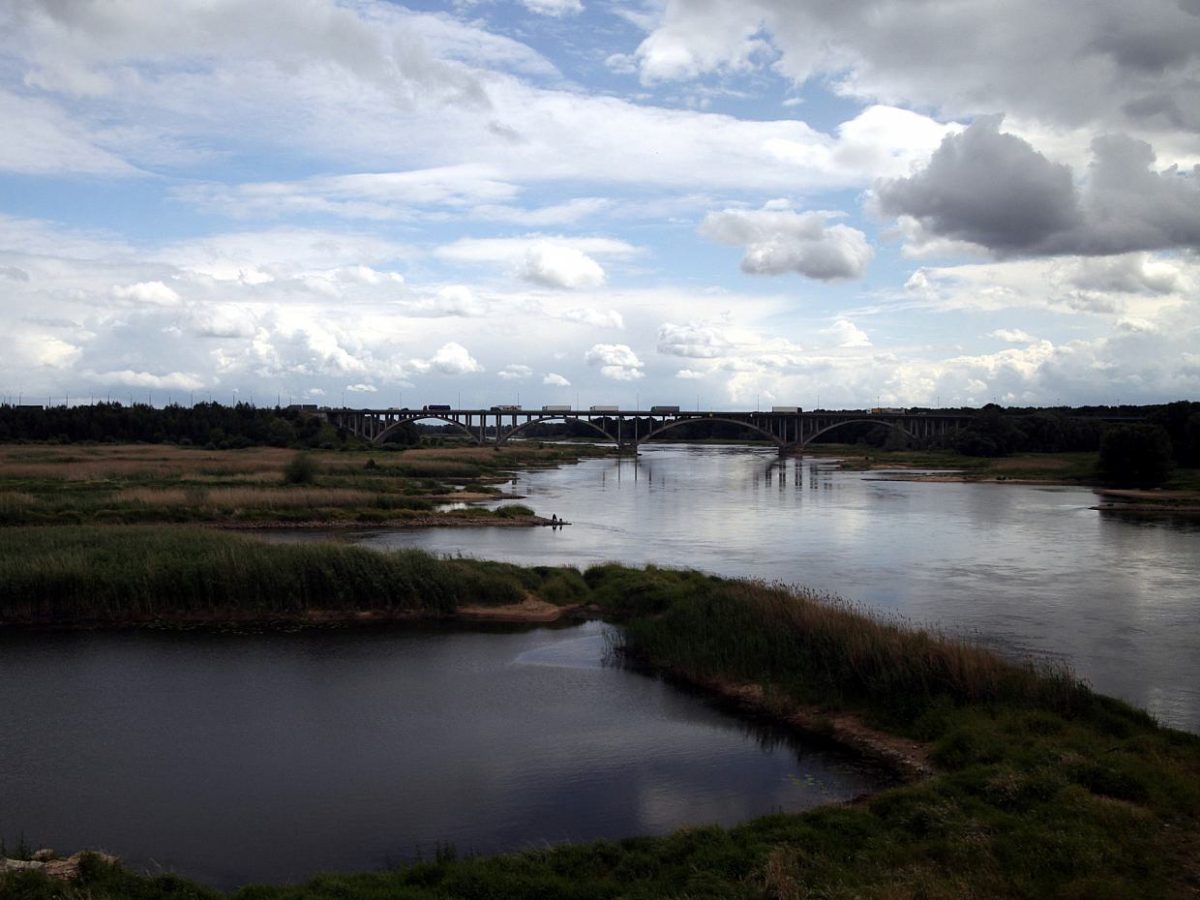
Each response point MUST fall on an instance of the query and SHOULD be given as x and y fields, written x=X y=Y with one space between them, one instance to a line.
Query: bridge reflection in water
x=789 y=431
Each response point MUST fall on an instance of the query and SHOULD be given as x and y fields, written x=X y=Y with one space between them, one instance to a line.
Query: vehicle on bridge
x=554 y=408
x=603 y=409
x=887 y=411
x=786 y=409
x=436 y=407
x=664 y=409
x=507 y=407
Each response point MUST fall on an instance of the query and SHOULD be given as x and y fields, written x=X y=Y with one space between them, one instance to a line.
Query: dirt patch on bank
x=908 y=758
x=531 y=609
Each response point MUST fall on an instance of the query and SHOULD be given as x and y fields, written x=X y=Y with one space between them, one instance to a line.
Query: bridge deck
x=630 y=427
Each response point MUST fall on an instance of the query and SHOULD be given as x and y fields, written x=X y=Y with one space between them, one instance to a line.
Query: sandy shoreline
x=426 y=520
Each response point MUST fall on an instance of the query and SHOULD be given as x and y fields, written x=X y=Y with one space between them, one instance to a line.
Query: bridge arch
x=828 y=428
x=382 y=436
x=517 y=429
x=742 y=423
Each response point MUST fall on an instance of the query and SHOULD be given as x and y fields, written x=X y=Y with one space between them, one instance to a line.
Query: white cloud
x=779 y=241
x=378 y=196
x=553 y=7
x=1013 y=336
x=846 y=334
x=179 y=381
x=554 y=262
x=514 y=372
x=689 y=374
x=362 y=388
x=49 y=142
x=450 y=300
x=616 y=361
x=451 y=359
x=695 y=340
x=556 y=266
x=154 y=293
x=555 y=380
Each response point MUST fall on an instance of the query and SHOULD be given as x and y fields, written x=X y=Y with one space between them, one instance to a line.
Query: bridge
x=790 y=430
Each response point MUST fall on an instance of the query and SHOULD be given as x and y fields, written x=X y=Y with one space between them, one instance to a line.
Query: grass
x=120 y=575
x=1043 y=788
x=131 y=484
x=1055 y=468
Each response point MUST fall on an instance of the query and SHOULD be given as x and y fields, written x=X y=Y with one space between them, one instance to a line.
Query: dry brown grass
x=139 y=461
x=244 y=497
x=1031 y=463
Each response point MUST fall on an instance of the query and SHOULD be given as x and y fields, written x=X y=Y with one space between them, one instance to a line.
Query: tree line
x=1142 y=449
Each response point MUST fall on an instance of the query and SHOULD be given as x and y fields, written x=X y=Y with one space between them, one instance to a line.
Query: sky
x=717 y=204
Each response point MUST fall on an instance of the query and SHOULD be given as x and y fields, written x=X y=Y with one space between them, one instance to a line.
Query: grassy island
x=1022 y=782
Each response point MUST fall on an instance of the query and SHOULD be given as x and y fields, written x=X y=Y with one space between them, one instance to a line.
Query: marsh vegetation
x=141 y=483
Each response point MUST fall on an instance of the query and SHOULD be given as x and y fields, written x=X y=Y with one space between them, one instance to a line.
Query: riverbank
x=1037 y=786
x=1181 y=494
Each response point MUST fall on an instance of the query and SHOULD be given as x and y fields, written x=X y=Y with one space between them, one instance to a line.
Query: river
x=1029 y=570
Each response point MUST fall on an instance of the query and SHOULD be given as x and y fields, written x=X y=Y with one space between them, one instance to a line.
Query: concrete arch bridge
x=790 y=431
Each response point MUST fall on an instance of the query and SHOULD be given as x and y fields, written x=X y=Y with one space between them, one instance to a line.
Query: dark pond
x=235 y=758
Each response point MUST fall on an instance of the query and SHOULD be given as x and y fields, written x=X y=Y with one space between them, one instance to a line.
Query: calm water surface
x=1030 y=570
x=235 y=758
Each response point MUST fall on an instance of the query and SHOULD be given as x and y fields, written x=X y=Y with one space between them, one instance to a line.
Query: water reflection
x=270 y=757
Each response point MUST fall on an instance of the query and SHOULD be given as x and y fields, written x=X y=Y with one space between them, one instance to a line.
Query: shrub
x=301 y=469
x=1136 y=454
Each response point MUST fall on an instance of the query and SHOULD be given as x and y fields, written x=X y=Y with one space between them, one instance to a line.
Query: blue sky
x=763 y=201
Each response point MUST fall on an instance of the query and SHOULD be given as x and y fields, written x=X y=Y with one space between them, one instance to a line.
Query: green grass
x=1043 y=788
x=93 y=575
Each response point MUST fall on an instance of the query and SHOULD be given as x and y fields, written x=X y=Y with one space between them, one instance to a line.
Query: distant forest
x=995 y=431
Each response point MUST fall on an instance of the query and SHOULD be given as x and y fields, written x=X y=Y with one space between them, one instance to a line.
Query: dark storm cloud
x=987 y=188
x=995 y=190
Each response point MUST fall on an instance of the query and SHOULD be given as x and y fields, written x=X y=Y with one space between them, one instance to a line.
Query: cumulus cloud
x=988 y=188
x=451 y=359
x=1133 y=273
x=779 y=241
x=689 y=374
x=995 y=190
x=695 y=340
x=846 y=334
x=557 y=266
x=154 y=293
x=555 y=380
x=616 y=361
x=608 y=318
x=553 y=262
x=451 y=300
x=362 y=388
